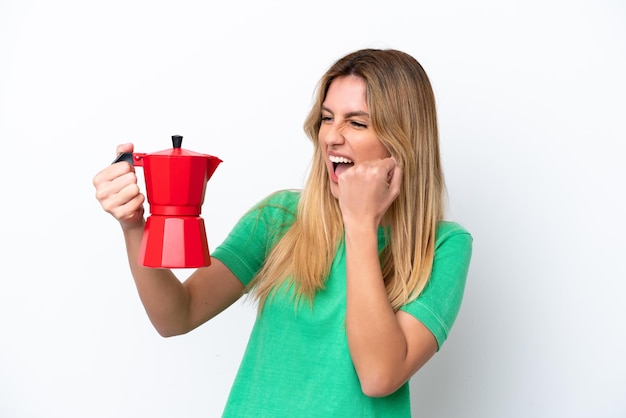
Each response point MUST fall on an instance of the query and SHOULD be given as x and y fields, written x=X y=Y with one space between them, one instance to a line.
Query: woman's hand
x=118 y=192
x=367 y=190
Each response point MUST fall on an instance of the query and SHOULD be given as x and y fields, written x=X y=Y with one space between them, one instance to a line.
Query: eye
x=326 y=118
x=357 y=124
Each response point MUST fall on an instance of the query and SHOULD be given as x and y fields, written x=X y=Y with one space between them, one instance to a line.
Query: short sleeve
x=247 y=245
x=439 y=303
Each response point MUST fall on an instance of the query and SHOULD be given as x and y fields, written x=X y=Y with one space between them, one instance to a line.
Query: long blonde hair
x=403 y=115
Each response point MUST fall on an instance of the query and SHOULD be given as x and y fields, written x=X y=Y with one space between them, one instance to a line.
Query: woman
x=358 y=277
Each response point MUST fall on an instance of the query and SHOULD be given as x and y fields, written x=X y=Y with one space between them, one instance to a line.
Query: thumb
x=394 y=176
x=128 y=147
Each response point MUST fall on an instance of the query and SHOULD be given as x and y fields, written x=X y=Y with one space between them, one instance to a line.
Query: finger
x=118 y=184
x=108 y=184
x=112 y=172
x=121 y=201
x=128 y=147
x=389 y=166
x=130 y=211
x=395 y=180
x=129 y=197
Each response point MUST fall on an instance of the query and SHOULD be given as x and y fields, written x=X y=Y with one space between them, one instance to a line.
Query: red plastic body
x=175 y=235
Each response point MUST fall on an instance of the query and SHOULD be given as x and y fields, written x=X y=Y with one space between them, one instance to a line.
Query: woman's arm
x=173 y=307
x=386 y=347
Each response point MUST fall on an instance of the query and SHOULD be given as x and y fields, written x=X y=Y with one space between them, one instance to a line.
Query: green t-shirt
x=297 y=363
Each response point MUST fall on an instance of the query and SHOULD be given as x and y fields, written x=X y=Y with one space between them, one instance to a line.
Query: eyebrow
x=350 y=114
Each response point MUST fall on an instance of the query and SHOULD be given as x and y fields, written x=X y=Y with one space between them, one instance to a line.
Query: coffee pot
x=174 y=235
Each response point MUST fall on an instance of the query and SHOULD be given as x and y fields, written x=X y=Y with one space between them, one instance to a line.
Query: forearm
x=376 y=341
x=163 y=296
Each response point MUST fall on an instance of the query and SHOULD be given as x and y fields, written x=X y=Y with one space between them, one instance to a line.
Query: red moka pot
x=174 y=235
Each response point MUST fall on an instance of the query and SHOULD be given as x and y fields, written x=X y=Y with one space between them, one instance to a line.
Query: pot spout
x=212 y=163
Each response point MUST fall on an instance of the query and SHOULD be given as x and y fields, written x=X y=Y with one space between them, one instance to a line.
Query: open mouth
x=340 y=163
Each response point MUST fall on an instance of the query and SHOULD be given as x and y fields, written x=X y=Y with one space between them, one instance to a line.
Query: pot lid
x=178 y=151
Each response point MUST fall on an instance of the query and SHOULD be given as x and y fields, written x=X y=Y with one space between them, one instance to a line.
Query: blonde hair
x=403 y=115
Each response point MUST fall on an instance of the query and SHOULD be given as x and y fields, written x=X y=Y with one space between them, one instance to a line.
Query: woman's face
x=346 y=137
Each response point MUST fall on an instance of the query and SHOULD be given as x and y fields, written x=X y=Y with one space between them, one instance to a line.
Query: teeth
x=339 y=160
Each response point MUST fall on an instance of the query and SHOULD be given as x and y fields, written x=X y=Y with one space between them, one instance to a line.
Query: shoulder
x=438 y=305
x=280 y=203
x=453 y=242
x=285 y=199
x=448 y=230
x=276 y=212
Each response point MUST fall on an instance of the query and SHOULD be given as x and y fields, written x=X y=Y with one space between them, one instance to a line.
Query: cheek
x=378 y=150
x=370 y=146
x=321 y=135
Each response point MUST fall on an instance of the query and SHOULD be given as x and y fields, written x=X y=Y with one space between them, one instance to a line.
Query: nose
x=332 y=133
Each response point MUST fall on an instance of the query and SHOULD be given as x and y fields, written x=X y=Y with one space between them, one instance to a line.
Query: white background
x=531 y=99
